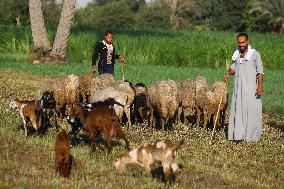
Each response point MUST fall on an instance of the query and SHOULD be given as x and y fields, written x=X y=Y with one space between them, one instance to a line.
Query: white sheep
x=201 y=88
x=186 y=99
x=162 y=102
x=122 y=93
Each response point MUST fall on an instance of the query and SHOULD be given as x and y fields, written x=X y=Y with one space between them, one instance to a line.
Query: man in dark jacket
x=106 y=50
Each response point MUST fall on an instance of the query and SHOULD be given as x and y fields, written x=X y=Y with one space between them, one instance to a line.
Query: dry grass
x=28 y=162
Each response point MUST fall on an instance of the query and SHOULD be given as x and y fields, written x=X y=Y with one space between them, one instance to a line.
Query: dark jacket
x=101 y=50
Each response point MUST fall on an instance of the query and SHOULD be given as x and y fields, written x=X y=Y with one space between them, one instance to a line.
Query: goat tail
x=178 y=145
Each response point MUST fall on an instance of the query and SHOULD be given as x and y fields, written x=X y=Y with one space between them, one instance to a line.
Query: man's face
x=243 y=43
x=108 y=38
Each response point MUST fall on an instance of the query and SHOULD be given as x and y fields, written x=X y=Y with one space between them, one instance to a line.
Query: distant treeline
x=245 y=15
x=169 y=47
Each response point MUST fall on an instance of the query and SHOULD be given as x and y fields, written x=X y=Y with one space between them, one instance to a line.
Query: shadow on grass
x=276 y=124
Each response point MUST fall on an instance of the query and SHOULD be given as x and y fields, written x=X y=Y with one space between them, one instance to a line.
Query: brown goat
x=146 y=155
x=102 y=119
x=63 y=158
x=29 y=111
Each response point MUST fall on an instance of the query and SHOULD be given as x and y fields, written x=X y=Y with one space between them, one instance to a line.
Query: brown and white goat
x=29 y=111
x=63 y=158
x=102 y=119
x=147 y=155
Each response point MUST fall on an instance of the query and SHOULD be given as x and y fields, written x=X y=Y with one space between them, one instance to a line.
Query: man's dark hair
x=108 y=32
x=243 y=34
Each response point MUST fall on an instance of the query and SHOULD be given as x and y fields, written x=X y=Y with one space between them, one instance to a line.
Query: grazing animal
x=201 y=88
x=102 y=119
x=212 y=103
x=140 y=103
x=121 y=92
x=146 y=155
x=63 y=158
x=186 y=99
x=29 y=111
x=48 y=103
x=163 y=103
x=76 y=125
x=110 y=102
x=89 y=85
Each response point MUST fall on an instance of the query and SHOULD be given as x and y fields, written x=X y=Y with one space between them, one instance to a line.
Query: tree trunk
x=59 y=47
x=173 y=7
x=40 y=39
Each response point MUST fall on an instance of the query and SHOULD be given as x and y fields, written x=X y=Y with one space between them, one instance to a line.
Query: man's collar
x=105 y=43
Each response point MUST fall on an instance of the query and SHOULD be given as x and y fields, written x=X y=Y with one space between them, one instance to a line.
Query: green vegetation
x=156 y=47
x=220 y=15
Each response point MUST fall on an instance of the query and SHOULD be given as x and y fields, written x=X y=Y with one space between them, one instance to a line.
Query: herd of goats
x=101 y=104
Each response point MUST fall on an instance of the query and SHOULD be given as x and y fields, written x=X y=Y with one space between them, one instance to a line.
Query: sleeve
x=116 y=56
x=258 y=64
x=233 y=65
x=96 y=54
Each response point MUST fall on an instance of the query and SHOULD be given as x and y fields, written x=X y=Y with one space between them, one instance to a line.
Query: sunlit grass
x=156 y=47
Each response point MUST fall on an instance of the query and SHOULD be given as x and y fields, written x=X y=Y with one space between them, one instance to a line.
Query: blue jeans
x=106 y=70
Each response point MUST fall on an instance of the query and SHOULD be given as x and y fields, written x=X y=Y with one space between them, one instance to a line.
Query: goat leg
x=108 y=143
x=167 y=172
x=162 y=123
x=178 y=116
x=24 y=122
x=120 y=134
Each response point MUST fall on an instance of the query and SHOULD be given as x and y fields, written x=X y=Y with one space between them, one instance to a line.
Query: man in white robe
x=245 y=121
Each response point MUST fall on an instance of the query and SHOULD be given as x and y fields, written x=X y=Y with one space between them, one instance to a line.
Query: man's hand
x=121 y=59
x=226 y=77
x=94 y=69
x=258 y=90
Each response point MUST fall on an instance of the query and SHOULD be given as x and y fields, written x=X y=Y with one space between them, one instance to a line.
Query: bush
x=112 y=15
x=154 y=17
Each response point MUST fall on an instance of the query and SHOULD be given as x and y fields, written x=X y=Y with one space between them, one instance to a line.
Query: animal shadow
x=157 y=173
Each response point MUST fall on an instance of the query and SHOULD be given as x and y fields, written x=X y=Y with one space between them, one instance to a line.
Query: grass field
x=150 y=56
x=29 y=162
x=156 y=47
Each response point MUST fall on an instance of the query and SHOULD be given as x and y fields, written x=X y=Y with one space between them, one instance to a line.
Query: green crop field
x=156 y=47
x=28 y=162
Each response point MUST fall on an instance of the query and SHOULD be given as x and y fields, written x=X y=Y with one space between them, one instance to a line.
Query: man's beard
x=243 y=49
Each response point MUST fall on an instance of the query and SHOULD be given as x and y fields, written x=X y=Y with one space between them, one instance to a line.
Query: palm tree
x=269 y=12
x=63 y=30
x=40 y=40
x=179 y=11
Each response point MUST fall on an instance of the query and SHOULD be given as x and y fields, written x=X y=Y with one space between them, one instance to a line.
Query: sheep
x=66 y=93
x=212 y=101
x=186 y=99
x=122 y=93
x=71 y=84
x=29 y=111
x=127 y=92
x=162 y=102
x=63 y=158
x=89 y=85
x=140 y=102
x=201 y=88
x=84 y=87
x=102 y=119
x=57 y=87
x=101 y=82
x=146 y=155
